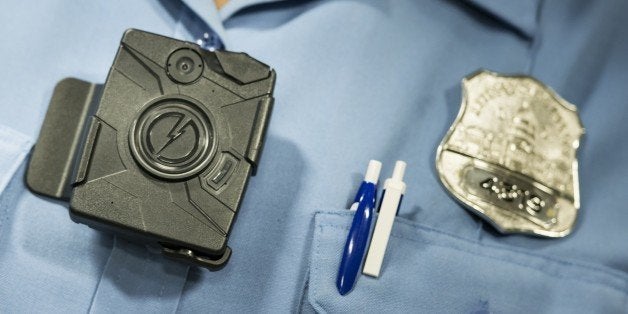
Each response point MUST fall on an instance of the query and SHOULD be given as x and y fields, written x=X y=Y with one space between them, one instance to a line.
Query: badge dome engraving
x=172 y=138
x=510 y=155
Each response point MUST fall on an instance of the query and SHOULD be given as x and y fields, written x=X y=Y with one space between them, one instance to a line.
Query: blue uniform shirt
x=356 y=80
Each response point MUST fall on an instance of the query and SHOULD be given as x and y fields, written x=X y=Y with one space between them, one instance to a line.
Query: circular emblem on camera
x=185 y=66
x=172 y=138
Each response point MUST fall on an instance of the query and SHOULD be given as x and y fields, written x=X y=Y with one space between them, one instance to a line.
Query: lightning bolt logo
x=177 y=130
x=172 y=139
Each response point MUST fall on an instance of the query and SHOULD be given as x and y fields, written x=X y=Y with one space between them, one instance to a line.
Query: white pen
x=394 y=189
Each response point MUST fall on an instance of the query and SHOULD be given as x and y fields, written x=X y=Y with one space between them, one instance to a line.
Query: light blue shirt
x=356 y=80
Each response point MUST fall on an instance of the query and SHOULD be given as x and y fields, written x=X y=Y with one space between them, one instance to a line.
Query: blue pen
x=358 y=237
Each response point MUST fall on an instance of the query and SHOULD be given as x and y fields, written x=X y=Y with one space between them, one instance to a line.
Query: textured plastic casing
x=166 y=157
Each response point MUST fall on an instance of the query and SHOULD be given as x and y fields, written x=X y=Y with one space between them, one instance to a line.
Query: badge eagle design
x=510 y=155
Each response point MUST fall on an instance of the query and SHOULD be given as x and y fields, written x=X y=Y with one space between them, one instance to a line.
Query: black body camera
x=162 y=152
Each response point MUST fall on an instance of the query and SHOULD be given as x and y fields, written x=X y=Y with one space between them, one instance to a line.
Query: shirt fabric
x=356 y=80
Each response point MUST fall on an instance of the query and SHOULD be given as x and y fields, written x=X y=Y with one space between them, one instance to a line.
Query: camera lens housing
x=185 y=66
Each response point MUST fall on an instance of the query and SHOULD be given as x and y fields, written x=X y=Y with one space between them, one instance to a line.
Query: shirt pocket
x=427 y=270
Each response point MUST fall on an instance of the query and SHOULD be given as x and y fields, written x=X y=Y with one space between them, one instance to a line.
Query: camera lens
x=185 y=66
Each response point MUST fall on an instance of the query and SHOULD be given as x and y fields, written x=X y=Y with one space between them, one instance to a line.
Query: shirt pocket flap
x=426 y=270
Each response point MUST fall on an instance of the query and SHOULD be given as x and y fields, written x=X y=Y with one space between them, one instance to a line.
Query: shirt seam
x=536 y=40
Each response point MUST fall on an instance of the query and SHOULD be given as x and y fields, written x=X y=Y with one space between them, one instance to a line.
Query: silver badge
x=510 y=155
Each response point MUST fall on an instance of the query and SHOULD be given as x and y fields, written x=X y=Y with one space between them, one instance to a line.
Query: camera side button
x=221 y=174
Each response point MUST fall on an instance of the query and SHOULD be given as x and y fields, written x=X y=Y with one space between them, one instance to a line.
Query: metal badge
x=510 y=155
